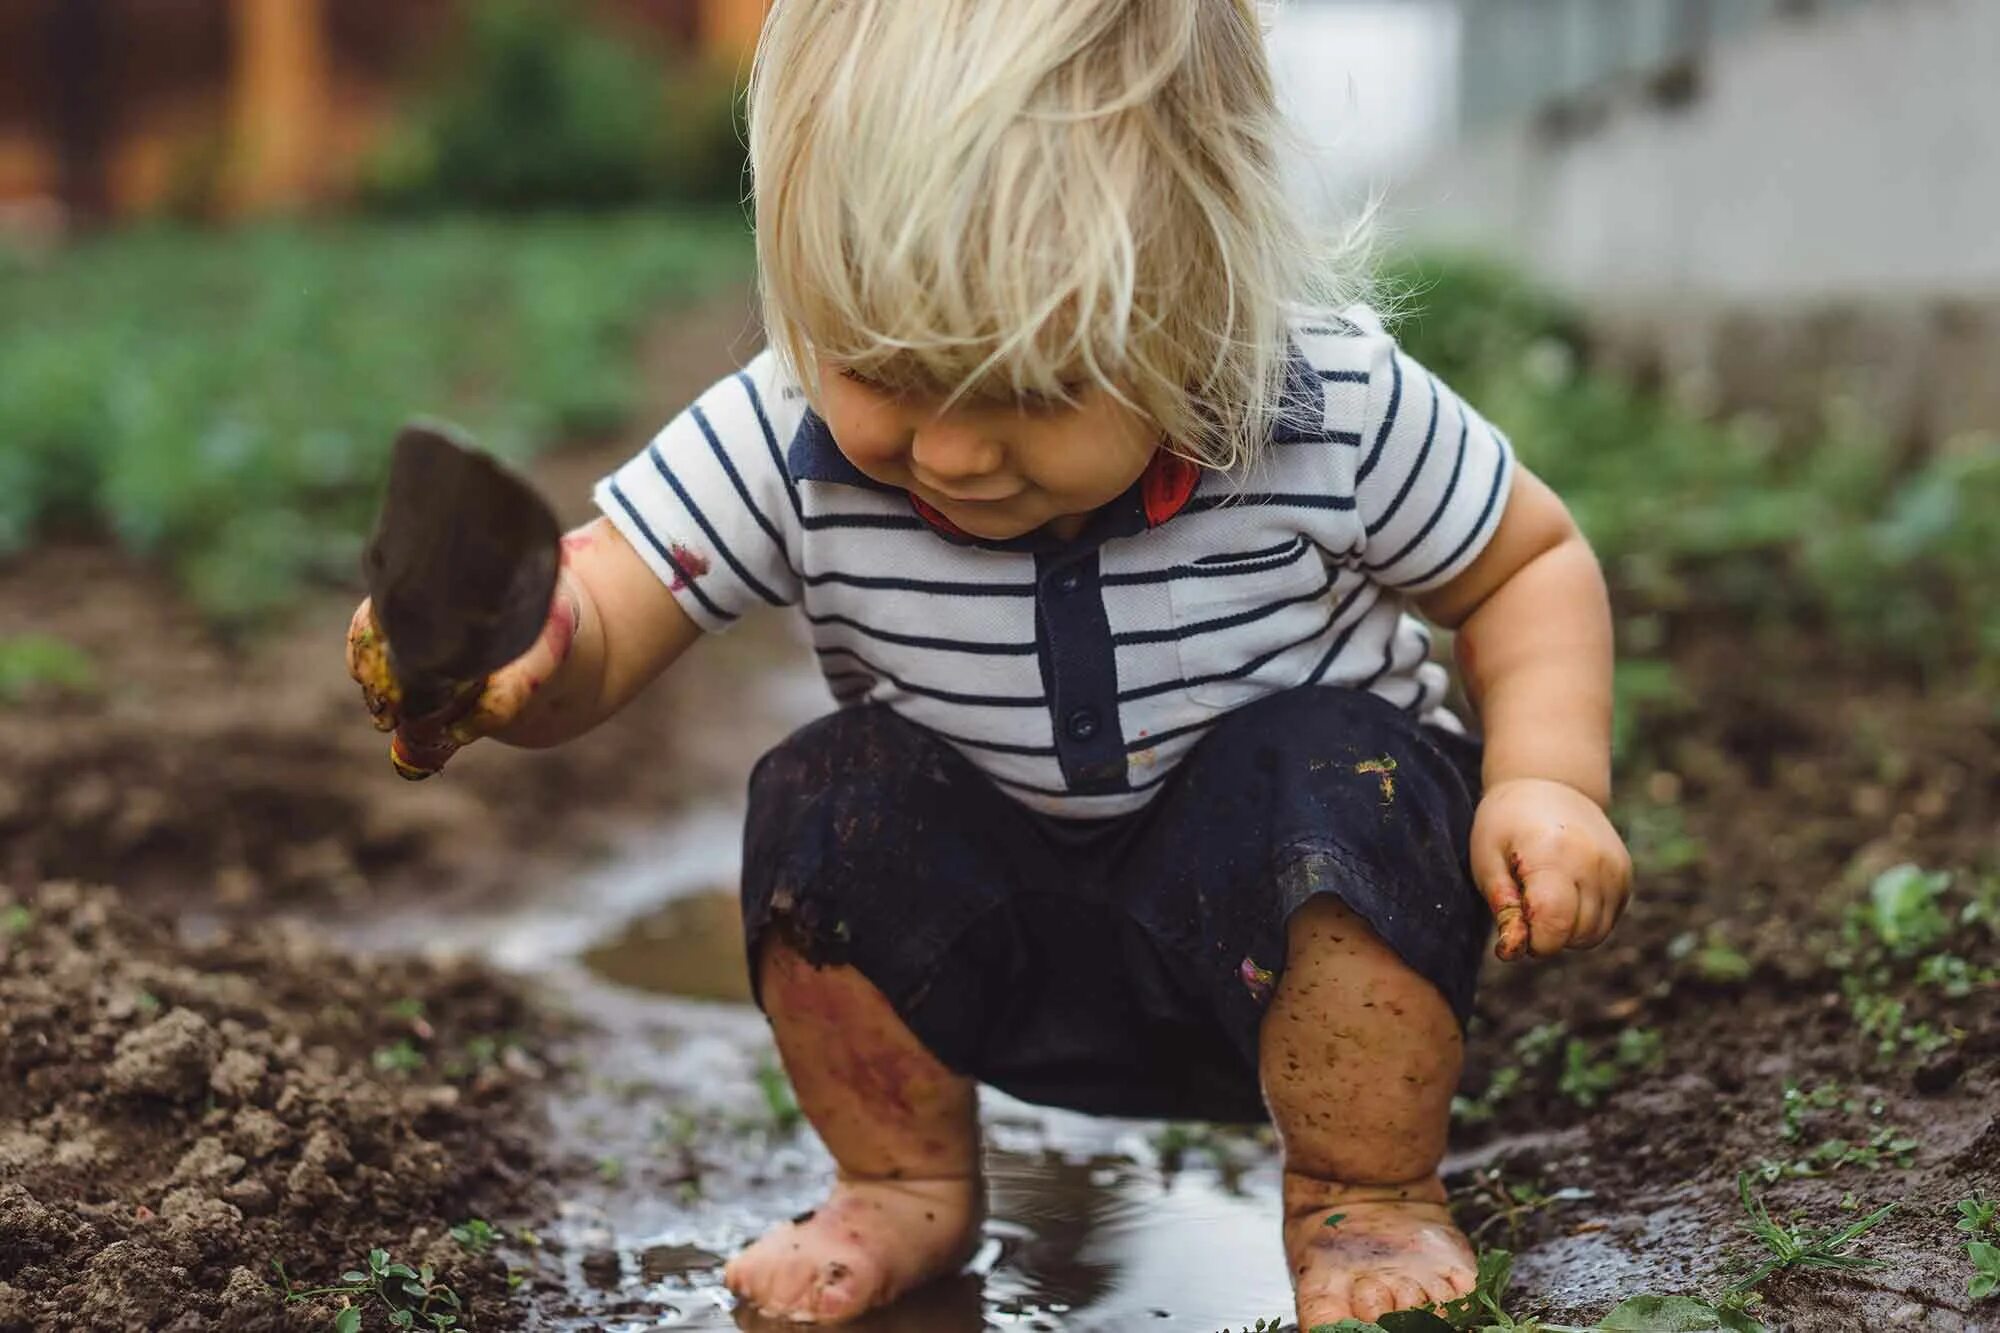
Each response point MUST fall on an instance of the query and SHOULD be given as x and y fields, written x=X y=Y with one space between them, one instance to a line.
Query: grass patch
x=225 y=401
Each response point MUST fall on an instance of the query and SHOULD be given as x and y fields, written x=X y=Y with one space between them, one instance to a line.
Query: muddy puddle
x=686 y=1146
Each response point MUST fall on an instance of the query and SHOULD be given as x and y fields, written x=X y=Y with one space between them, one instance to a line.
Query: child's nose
x=953 y=451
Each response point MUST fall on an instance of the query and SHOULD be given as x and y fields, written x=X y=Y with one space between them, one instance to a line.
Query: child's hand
x=421 y=746
x=1551 y=866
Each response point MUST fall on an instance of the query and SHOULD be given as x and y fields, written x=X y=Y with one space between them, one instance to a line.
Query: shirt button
x=1068 y=581
x=1082 y=724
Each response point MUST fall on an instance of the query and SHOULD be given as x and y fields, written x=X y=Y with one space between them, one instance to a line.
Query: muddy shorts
x=1118 y=966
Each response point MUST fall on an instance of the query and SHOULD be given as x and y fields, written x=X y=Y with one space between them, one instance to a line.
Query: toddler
x=1118 y=532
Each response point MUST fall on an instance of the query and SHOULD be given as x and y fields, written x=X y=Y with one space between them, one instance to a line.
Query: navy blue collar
x=814 y=456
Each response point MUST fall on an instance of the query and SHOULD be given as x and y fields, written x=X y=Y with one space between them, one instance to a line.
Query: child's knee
x=1337 y=964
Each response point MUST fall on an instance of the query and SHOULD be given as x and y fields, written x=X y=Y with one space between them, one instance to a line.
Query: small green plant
x=611 y=1169
x=1986 y=1260
x=1883 y=1146
x=1977 y=1218
x=414 y=1298
x=1799 y=1103
x=1712 y=957
x=1587 y=1072
x=37 y=664
x=1509 y=1202
x=1892 y=957
x=1903 y=910
x=398 y=1057
x=15 y=919
x=476 y=1234
x=1792 y=1247
x=778 y=1099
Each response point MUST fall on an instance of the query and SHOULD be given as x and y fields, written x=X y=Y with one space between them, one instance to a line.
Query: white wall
x=1851 y=155
x=1370 y=87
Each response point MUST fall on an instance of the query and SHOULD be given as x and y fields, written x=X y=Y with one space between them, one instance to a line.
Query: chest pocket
x=1233 y=610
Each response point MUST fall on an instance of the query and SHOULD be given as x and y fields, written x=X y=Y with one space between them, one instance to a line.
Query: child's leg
x=903 y=1128
x=1359 y=1058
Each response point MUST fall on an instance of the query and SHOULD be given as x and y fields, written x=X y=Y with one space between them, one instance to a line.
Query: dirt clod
x=160 y=1149
x=169 y=1059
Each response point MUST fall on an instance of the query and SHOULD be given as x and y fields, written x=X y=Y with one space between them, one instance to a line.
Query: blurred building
x=1772 y=201
x=118 y=107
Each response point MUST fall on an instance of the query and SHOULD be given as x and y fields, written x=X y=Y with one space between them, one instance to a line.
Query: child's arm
x=612 y=627
x=1534 y=645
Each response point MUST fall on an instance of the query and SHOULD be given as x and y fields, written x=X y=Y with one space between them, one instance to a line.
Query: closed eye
x=1038 y=404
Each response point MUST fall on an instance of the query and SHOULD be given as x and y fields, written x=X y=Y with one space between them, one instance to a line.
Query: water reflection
x=1089 y=1231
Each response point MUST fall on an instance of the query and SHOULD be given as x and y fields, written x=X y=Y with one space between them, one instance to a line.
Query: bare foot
x=870 y=1242
x=1394 y=1248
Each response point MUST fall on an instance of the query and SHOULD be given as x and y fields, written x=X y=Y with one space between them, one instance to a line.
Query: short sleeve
x=1432 y=479
x=709 y=505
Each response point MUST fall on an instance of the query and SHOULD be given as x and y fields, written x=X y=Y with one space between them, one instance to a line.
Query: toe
x=1372 y=1297
x=1409 y=1292
x=1324 y=1309
x=838 y=1293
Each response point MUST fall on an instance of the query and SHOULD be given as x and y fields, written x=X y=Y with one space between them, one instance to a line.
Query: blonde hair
x=993 y=198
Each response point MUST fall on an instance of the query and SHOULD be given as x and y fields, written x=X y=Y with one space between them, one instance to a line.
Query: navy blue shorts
x=1120 y=966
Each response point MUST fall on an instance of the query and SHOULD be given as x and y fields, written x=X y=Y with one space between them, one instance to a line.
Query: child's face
x=996 y=470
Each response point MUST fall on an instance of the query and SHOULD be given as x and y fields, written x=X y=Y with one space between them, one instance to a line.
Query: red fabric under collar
x=1165 y=487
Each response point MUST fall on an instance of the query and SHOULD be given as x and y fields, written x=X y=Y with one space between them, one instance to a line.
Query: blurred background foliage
x=1696 y=520
x=225 y=401
x=543 y=110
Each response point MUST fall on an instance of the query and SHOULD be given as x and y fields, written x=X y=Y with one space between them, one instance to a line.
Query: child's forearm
x=568 y=701
x=613 y=628
x=1537 y=657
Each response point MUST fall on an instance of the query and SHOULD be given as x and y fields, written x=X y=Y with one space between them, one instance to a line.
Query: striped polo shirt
x=1076 y=674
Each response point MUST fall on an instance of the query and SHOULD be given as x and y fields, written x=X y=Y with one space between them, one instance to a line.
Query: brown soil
x=176 y=1115
x=1768 y=812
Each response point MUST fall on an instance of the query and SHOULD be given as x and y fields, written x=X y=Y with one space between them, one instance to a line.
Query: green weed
x=15 y=919
x=1986 y=1261
x=1892 y=950
x=32 y=665
x=1586 y=1072
x=476 y=1234
x=1508 y=1203
x=1976 y=1218
x=1711 y=956
x=398 y=1057
x=1884 y=1145
x=1793 y=1247
x=1904 y=912
x=413 y=1297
